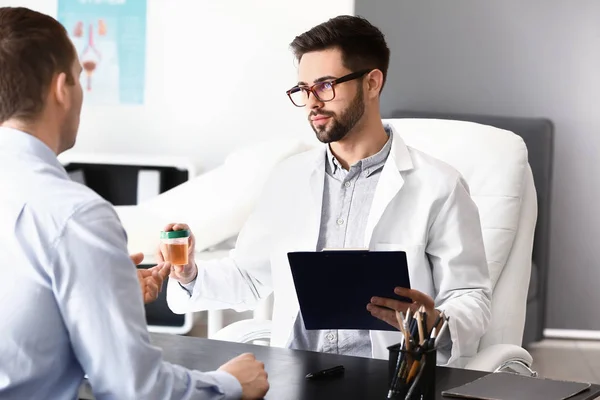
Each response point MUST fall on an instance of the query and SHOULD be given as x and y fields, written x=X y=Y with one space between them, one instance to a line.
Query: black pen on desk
x=326 y=373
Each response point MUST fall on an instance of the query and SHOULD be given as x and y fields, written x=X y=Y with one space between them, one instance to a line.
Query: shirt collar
x=332 y=162
x=370 y=163
x=21 y=143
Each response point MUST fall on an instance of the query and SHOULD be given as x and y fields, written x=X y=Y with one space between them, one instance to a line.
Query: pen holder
x=413 y=376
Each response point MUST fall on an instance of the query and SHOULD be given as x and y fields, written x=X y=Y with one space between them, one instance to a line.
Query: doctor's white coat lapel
x=389 y=184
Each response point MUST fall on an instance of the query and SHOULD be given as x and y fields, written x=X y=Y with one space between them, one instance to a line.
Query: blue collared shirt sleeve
x=99 y=297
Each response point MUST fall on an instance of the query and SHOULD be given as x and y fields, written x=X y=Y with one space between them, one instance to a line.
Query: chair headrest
x=492 y=161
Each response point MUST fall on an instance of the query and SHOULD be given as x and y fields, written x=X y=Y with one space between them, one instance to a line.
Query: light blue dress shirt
x=70 y=301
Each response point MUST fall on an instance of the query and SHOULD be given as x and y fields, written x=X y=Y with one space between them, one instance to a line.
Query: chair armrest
x=498 y=355
x=246 y=331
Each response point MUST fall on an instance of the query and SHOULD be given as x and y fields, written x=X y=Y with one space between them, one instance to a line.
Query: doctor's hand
x=385 y=309
x=151 y=279
x=182 y=273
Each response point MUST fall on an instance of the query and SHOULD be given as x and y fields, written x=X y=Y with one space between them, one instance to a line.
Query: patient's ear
x=60 y=91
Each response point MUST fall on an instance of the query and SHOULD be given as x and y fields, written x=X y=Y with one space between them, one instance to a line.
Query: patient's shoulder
x=61 y=198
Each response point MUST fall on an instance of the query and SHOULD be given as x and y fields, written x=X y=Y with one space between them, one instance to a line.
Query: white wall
x=216 y=76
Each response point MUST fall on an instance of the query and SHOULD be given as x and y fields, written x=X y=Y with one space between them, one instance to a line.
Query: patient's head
x=345 y=47
x=40 y=91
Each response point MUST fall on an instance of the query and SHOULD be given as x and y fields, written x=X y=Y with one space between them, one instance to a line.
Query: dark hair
x=33 y=48
x=362 y=45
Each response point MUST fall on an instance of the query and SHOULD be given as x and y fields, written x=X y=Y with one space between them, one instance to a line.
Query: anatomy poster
x=110 y=38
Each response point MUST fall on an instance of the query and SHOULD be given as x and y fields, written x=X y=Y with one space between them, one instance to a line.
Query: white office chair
x=494 y=163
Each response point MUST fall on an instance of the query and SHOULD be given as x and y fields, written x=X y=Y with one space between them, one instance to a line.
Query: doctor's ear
x=374 y=82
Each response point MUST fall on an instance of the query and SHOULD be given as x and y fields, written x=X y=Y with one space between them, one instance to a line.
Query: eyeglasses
x=323 y=91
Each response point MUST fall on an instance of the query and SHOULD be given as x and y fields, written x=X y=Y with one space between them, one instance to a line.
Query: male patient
x=364 y=188
x=70 y=301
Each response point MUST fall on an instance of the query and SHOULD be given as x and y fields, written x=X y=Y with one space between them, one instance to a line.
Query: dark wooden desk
x=364 y=378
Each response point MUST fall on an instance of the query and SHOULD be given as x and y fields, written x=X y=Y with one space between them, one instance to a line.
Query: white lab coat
x=421 y=205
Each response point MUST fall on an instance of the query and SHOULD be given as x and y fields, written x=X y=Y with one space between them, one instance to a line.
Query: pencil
x=420 y=327
x=441 y=333
x=400 y=320
x=413 y=371
x=403 y=329
x=416 y=382
x=437 y=321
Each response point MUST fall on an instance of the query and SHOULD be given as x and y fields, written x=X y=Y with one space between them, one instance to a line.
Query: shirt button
x=347 y=184
x=330 y=337
x=340 y=221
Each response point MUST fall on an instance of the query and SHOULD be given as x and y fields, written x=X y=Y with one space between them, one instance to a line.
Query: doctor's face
x=339 y=106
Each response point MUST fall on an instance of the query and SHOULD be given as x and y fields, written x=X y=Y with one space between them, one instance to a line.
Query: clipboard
x=349 y=278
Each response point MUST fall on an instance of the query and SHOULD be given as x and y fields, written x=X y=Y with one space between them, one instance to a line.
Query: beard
x=339 y=127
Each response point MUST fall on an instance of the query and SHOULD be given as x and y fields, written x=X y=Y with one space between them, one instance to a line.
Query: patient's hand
x=151 y=279
x=385 y=309
x=250 y=373
x=182 y=273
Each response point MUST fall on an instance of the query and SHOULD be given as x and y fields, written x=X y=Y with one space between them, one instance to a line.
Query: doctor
x=364 y=188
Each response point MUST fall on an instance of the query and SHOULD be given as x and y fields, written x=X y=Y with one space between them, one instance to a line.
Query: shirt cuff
x=229 y=385
x=188 y=287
